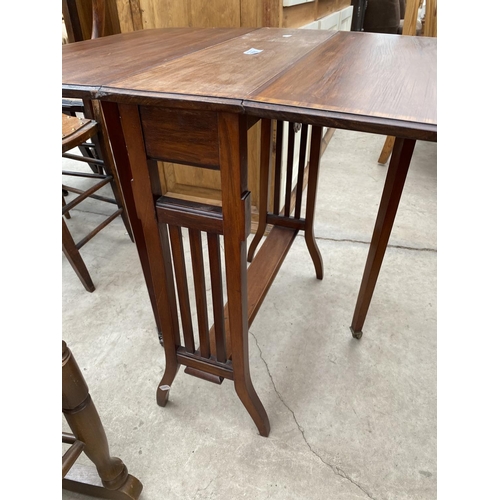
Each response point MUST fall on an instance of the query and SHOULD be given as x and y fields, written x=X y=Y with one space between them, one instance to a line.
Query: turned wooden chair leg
x=67 y=214
x=386 y=150
x=85 y=423
x=75 y=259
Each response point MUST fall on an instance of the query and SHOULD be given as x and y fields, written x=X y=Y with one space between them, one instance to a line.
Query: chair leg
x=75 y=259
x=85 y=423
x=386 y=150
x=67 y=215
x=103 y=151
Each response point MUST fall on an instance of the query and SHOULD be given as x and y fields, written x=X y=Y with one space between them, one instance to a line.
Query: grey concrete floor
x=349 y=419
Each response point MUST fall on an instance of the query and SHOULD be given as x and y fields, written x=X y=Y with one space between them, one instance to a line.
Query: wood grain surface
x=109 y=59
x=365 y=81
x=368 y=74
x=224 y=70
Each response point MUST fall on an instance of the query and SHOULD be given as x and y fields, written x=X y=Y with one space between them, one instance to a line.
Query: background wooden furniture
x=76 y=132
x=410 y=29
x=81 y=122
x=190 y=96
x=123 y=16
x=112 y=479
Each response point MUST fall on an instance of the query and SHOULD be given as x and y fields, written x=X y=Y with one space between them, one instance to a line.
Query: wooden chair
x=83 y=128
x=410 y=28
x=76 y=132
x=111 y=478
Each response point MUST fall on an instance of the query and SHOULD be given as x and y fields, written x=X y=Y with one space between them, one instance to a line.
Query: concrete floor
x=349 y=419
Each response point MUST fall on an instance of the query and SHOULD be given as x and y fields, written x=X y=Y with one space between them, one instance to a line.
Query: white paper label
x=252 y=51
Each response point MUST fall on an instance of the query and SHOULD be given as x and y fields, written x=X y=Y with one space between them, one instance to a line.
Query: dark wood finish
x=71 y=252
x=182 y=286
x=265 y=159
x=200 y=291
x=224 y=70
x=160 y=273
x=265 y=267
x=277 y=167
x=222 y=370
x=289 y=168
x=281 y=220
x=214 y=254
x=89 y=435
x=357 y=81
x=140 y=50
x=115 y=134
x=393 y=188
x=232 y=144
x=301 y=172
x=166 y=139
x=186 y=213
x=312 y=187
x=169 y=63
x=283 y=217
x=203 y=373
x=333 y=80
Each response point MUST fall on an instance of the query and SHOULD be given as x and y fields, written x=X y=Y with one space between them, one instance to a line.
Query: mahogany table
x=188 y=96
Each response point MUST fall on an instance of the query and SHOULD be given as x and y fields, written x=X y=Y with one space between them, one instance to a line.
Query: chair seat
x=76 y=130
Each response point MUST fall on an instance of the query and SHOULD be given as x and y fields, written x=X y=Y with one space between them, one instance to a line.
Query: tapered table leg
x=115 y=134
x=394 y=183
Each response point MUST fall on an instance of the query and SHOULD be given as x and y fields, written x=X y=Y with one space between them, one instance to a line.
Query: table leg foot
x=162 y=394
x=315 y=254
x=163 y=390
x=356 y=335
x=254 y=407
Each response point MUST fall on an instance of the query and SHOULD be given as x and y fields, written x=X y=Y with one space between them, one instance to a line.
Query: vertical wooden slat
x=302 y=163
x=265 y=158
x=182 y=286
x=217 y=295
x=289 y=168
x=277 y=167
x=200 y=291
